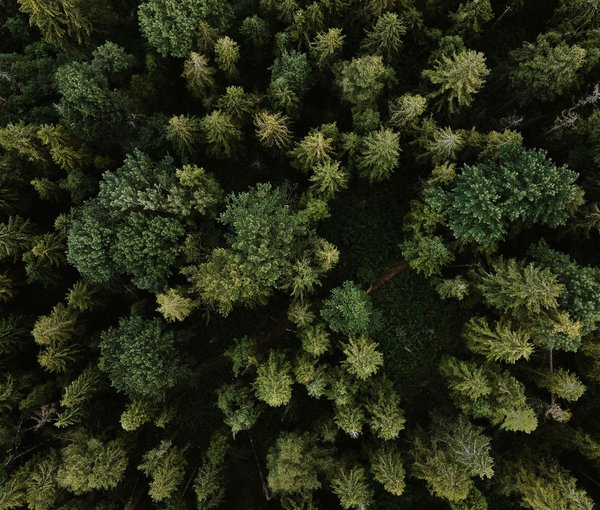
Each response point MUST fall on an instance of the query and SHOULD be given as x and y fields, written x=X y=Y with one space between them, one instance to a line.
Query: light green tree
x=458 y=78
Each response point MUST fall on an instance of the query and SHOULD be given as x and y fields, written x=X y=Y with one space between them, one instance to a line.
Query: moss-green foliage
x=299 y=254
x=522 y=186
x=140 y=357
x=348 y=310
x=90 y=105
x=547 y=68
x=266 y=233
x=88 y=464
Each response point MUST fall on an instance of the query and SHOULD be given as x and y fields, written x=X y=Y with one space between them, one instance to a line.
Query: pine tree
x=14 y=330
x=174 y=306
x=208 y=484
x=237 y=103
x=426 y=254
x=273 y=383
x=362 y=357
x=444 y=145
x=386 y=418
x=326 y=47
x=406 y=110
x=458 y=77
x=272 y=129
x=518 y=288
x=58 y=357
x=387 y=469
x=563 y=384
x=227 y=53
x=165 y=466
x=239 y=407
x=137 y=414
x=469 y=18
x=379 y=155
x=61 y=23
x=83 y=296
x=294 y=463
x=350 y=486
x=385 y=38
x=131 y=348
x=363 y=79
x=58 y=326
x=169 y=25
x=89 y=464
x=49 y=249
x=543 y=483
x=452 y=452
x=521 y=186
x=314 y=149
x=184 y=133
x=220 y=134
x=256 y=30
x=42 y=488
x=15 y=236
x=547 y=69
x=503 y=343
x=198 y=74
x=348 y=310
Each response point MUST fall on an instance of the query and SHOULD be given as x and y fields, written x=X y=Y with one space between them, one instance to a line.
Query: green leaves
x=351 y=487
x=165 y=466
x=519 y=289
x=273 y=383
x=89 y=464
x=348 y=310
x=522 y=186
x=547 y=68
x=362 y=357
x=265 y=237
x=294 y=463
x=452 y=453
x=362 y=79
x=500 y=344
x=140 y=357
x=170 y=25
x=458 y=77
x=379 y=153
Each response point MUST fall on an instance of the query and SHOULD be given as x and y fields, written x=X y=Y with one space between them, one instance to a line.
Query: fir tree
x=458 y=77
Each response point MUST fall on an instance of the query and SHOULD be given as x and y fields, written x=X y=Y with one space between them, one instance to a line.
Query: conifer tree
x=348 y=310
x=295 y=463
x=458 y=77
x=220 y=134
x=387 y=469
x=198 y=74
x=385 y=38
x=363 y=79
x=449 y=457
x=379 y=155
x=227 y=53
x=61 y=23
x=89 y=464
x=273 y=383
x=547 y=68
x=326 y=47
x=256 y=30
x=272 y=129
x=136 y=344
x=350 y=486
x=183 y=132
x=208 y=484
x=165 y=466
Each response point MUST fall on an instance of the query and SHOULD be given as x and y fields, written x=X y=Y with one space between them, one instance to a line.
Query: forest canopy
x=299 y=254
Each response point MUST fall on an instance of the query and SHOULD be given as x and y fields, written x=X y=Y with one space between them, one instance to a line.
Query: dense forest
x=299 y=254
